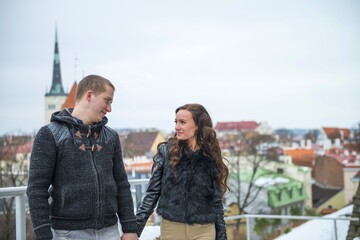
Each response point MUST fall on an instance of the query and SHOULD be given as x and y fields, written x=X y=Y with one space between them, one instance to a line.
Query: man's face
x=101 y=104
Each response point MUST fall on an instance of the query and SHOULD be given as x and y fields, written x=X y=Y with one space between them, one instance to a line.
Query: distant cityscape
x=311 y=172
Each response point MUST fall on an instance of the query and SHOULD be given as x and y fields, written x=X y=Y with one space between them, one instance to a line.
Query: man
x=78 y=187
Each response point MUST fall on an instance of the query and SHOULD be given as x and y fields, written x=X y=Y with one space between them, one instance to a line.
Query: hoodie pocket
x=74 y=201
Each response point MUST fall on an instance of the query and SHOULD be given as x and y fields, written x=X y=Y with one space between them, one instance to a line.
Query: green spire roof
x=56 y=86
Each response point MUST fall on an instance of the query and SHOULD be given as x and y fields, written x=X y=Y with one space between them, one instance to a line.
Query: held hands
x=129 y=236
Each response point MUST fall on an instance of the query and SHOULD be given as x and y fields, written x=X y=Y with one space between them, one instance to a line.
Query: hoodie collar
x=66 y=117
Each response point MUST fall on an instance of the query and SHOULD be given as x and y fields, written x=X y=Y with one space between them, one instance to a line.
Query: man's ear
x=88 y=95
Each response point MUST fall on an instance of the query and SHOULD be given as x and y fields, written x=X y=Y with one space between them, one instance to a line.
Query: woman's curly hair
x=206 y=140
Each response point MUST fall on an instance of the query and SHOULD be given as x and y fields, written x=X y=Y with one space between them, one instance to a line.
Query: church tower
x=55 y=98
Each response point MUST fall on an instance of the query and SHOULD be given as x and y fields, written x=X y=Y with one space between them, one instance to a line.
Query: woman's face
x=185 y=127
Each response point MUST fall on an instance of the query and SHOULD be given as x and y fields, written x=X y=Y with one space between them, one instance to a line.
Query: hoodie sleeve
x=42 y=164
x=126 y=211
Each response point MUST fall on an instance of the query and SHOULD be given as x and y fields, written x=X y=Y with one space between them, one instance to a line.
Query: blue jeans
x=109 y=233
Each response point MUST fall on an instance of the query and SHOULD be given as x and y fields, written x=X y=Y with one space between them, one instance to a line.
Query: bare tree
x=249 y=154
x=312 y=135
x=13 y=172
x=285 y=135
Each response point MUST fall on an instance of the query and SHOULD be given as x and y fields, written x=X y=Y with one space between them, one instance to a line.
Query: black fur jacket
x=190 y=196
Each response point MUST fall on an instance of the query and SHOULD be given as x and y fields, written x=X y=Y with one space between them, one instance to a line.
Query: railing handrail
x=21 y=190
x=295 y=217
x=12 y=191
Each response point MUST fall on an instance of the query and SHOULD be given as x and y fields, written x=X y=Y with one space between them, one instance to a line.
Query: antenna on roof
x=75 y=66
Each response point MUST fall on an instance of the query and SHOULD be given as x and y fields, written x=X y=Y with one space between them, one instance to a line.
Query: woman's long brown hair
x=206 y=140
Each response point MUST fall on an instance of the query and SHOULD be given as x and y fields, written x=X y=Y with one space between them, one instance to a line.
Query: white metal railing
x=20 y=215
x=20 y=193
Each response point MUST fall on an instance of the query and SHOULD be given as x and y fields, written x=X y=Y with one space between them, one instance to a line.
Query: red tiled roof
x=328 y=210
x=139 y=166
x=71 y=98
x=352 y=147
x=341 y=158
x=336 y=151
x=139 y=143
x=333 y=133
x=301 y=157
x=243 y=125
x=8 y=152
x=141 y=140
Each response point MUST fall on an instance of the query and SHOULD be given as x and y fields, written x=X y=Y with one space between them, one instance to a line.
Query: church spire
x=56 y=86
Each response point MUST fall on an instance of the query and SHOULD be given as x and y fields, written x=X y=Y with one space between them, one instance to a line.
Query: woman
x=188 y=180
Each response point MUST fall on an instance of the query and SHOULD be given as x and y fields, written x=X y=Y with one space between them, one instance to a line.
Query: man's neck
x=81 y=114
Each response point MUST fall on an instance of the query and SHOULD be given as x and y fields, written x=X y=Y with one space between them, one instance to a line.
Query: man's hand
x=129 y=236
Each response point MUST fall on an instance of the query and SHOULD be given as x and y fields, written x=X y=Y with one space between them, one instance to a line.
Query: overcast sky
x=293 y=64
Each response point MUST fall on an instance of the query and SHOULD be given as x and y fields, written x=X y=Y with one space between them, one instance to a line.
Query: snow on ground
x=321 y=229
x=150 y=233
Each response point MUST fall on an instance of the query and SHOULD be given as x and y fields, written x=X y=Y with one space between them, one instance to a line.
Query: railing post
x=336 y=235
x=248 y=229
x=20 y=217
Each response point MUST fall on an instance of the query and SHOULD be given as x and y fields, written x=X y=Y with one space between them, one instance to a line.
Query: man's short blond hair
x=95 y=83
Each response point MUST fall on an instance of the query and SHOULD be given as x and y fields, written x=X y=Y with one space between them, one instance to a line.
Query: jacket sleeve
x=152 y=194
x=220 y=224
x=42 y=165
x=125 y=201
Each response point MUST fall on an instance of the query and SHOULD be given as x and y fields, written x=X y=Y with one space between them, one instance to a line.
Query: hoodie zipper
x=98 y=199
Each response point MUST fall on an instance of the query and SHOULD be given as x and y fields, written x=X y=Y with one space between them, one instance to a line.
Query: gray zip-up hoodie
x=77 y=178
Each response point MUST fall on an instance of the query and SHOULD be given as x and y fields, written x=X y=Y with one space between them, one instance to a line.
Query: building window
x=290 y=193
x=301 y=191
x=51 y=107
